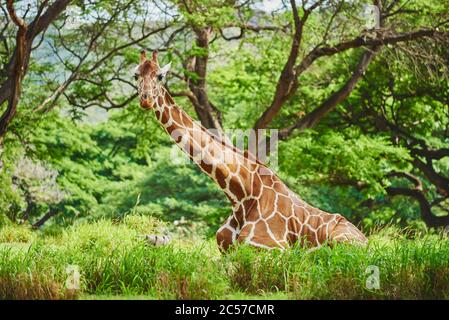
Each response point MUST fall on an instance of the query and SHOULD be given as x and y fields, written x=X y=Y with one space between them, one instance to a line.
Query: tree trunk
x=52 y=212
x=208 y=114
x=18 y=71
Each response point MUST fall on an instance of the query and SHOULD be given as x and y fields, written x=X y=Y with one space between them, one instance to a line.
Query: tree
x=17 y=58
x=411 y=110
x=89 y=66
x=312 y=69
x=38 y=185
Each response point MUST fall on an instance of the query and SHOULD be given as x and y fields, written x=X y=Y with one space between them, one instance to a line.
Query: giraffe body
x=266 y=213
x=275 y=217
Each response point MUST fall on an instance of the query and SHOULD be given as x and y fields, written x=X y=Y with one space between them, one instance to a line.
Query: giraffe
x=265 y=212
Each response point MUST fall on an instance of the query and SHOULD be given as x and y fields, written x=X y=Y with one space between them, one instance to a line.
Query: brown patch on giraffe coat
x=233 y=223
x=169 y=99
x=261 y=235
x=224 y=238
x=165 y=116
x=278 y=226
x=280 y=188
x=245 y=232
x=329 y=223
x=245 y=176
x=171 y=129
x=267 y=180
x=248 y=205
x=185 y=120
x=252 y=216
x=221 y=174
x=160 y=101
x=175 y=115
x=232 y=163
x=321 y=233
x=310 y=235
x=299 y=212
x=312 y=210
x=261 y=228
x=236 y=188
x=315 y=221
x=294 y=225
x=284 y=205
x=206 y=166
x=266 y=201
x=239 y=215
x=257 y=185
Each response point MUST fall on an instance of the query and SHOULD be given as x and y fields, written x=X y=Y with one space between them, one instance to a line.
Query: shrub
x=16 y=233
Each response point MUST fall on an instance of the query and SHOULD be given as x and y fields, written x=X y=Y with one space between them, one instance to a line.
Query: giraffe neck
x=226 y=165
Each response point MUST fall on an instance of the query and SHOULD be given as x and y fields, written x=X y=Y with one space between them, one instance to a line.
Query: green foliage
x=342 y=157
x=110 y=165
x=10 y=201
x=11 y=233
x=169 y=191
x=243 y=87
x=120 y=166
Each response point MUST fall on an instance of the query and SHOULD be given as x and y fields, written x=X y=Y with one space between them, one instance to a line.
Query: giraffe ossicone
x=265 y=212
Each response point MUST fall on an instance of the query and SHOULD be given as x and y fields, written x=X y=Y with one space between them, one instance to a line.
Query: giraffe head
x=149 y=76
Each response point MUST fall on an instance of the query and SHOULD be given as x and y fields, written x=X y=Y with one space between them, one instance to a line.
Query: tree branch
x=435 y=154
x=52 y=212
x=38 y=25
x=413 y=179
x=363 y=41
x=288 y=72
x=440 y=182
x=425 y=207
x=313 y=117
x=287 y=87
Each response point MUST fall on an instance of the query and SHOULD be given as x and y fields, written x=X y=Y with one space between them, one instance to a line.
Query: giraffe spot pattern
x=266 y=213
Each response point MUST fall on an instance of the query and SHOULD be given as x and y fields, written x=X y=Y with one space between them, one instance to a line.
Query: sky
x=270 y=5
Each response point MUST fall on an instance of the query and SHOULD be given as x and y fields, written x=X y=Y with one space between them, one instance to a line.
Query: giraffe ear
x=143 y=56
x=155 y=53
x=162 y=73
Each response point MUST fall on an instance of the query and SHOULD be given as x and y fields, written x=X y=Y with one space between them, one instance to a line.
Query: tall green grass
x=114 y=260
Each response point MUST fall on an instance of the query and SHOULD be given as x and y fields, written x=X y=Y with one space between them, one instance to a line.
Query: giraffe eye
x=136 y=76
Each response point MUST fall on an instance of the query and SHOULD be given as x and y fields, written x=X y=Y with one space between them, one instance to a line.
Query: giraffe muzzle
x=145 y=103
